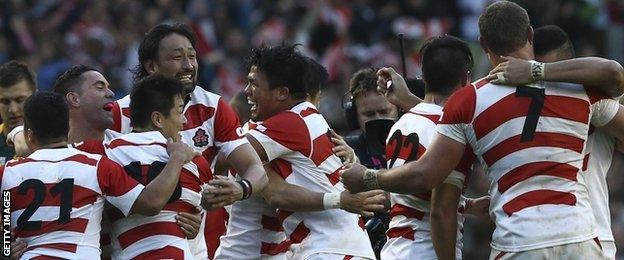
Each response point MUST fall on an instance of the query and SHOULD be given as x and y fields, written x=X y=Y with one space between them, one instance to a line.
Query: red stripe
x=298 y=235
x=404 y=232
x=308 y=111
x=168 y=252
x=126 y=112
x=81 y=197
x=511 y=107
x=586 y=162
x=432 y=118
x=180 y=206
x=205 y=172
x=217 y=219
x=322 y=148
x=334 y=177
x=361 y=223
x=271 y=223
x=541 y=139
x=45 y=257
x=58 y=246
x=191 y=181
x=282 y=167
x=275 y=248
x=74 y=225
x=289 y=130
x=539 y=197
x=398 y=209
x=519 y=174
x=116 y=110
x=348 y=257
x=151 y=229
x=283 y=214
x=79 y=158
x=500 y=255
x=196 y=115
x=481 y=83
x=121 y=142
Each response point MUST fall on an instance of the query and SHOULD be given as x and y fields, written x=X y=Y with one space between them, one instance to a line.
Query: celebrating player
x=58 y=192
x=531 y=144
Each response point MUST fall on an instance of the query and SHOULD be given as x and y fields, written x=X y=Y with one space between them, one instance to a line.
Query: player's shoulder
x=205 y=97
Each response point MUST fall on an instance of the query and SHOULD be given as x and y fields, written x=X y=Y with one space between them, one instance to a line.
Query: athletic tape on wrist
x=331 y=200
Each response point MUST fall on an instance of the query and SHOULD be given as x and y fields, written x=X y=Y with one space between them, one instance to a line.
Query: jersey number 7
x=537 y=96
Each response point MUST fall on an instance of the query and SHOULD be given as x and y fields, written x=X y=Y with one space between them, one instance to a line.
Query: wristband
x=370 y=179
x=537 y=70
x=247 y=189
x=331 y=200
x=14 y=132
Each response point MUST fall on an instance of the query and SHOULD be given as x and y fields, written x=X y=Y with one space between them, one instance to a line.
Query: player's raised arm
x=605 y=75
x=156 y=194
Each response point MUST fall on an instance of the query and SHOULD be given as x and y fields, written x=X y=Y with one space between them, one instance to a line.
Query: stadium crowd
x=343 y=36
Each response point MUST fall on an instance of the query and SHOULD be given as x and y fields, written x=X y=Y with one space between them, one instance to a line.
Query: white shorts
x=609 y=249
x=419 y=248
x=330 y=256
x=588 y=249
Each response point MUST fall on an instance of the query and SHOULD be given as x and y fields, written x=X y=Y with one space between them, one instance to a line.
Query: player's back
x=531 y=139
x=143 y=156
x=58 y=197
x=409 y=231
x=298 y=143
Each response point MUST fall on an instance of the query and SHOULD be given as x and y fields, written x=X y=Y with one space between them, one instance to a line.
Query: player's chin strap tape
x=247 y=189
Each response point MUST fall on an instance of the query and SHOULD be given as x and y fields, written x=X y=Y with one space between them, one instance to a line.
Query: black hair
x=148 y=49
x=70 y=79
x=316 y=77
x=283 y=66
x=14 y=72
x=153 y=93
x=47 y=115
x=552 y=38
x=445 y=63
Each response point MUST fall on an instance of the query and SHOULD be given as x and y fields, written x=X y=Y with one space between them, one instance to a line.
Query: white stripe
x=566 y=90
x=124 y=202
x=51 y=213
x=545 y=124
x=538 y=182
x=410 y=201
x=122 y=225
x=489 y=94
x=190 y=196
x=534 y=154
x=84 y=175
x=154 y=243
x=316 y=124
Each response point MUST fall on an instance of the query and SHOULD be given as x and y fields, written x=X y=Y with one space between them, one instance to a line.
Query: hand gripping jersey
x=531 y=140
x=254 y=231
x=409 y=234
x=212 y=126
x=144 y=155
x=57 y=200
x=298 y=142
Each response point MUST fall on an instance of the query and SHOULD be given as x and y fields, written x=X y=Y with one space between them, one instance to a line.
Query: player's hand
x=342 y=149
x=17 y=248
x=512 y=72
x=363 y=203
x=189 y=223
x=353 y=177
x=181 y=151
x=394 y=88
x=221 y=192
x=479 y=207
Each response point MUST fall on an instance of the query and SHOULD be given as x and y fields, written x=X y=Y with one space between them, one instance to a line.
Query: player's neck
x=437 y=99
x=142 y=129
x=525 y=53
x=58 y=144
x=79 y=132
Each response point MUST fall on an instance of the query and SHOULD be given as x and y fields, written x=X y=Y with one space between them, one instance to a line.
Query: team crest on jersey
x=201 y=138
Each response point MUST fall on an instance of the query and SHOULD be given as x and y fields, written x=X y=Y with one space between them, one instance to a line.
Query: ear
x=150 y=66
x=530 y=35
x=283 y=93
x=31 y=139
x=157 y=119
x=73 y=99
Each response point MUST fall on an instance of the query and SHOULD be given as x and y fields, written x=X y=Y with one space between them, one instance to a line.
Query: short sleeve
x=228 y=132
x=282 y=134
x=603 y=111
x=457 y=114
x=117 y=186
x=461 y=174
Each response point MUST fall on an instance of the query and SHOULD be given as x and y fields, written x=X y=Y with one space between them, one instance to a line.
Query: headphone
x=350 y=111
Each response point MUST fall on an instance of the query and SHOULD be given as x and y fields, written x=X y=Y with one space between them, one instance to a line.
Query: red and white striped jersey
x=298 y=143
x=144 y=155
x=57 y=200
x=211 y=125
x=600 y=148
x=253 y=229
x=531 y=140
x=409 y=138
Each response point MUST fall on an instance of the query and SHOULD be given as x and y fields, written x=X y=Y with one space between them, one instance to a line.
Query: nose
x=248 y=89
x=186 y=63
x=109 y=93
x=14 y=107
